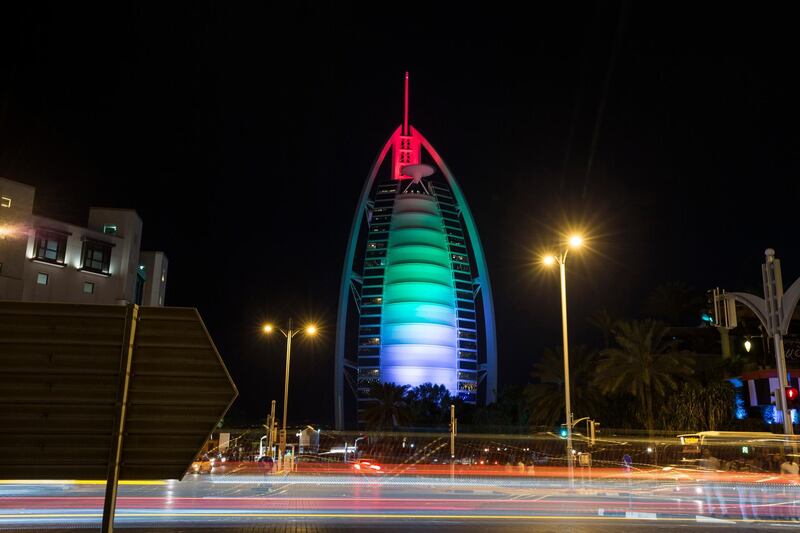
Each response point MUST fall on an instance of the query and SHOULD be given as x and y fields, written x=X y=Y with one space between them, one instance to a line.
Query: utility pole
x=270 y=428
x=453 y=431
x=775 y=312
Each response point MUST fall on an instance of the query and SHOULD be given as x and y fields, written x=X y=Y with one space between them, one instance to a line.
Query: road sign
x=627 y=462
x=62 y=385
x=106 y=392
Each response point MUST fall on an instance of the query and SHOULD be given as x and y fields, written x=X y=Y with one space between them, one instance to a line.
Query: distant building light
x=6 y=231
x=110 y=229
x=141 y=267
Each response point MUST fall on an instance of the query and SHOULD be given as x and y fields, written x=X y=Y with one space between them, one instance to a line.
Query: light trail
x=218 y=500
x=387 y=516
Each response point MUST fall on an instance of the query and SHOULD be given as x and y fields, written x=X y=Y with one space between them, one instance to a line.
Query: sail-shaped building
x=415 y=302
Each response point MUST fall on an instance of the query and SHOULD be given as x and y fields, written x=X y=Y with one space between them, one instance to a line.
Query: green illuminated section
x=418 y=322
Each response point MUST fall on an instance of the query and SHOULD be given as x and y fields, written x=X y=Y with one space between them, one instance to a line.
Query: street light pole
x=574 y=241
x=289 y=333
x=282 y=441
x=567 y=402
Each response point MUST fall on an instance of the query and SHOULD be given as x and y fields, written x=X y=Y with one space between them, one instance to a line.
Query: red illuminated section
x=405 y=145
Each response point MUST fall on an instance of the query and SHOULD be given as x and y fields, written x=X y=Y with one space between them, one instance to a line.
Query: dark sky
x=242 y=136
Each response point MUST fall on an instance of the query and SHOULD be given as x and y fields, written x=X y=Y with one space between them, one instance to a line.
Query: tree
x=699 y=408
x=429 y=404
x=604 y=321
x=675 y=302
x=545 y=398
x=644 y=364
x=388 y=408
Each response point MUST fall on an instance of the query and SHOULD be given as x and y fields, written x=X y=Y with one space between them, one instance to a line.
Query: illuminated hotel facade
x=415 y=302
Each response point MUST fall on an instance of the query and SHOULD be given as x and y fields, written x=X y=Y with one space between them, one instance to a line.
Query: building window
x=5 y=201
x=42 y=278
x=110 y=229
x=96 y=256
x=88 y=287
x=138 y=291
x=50 y=246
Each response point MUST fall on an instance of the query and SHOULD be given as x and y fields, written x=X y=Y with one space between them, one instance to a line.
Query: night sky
x=242 y=136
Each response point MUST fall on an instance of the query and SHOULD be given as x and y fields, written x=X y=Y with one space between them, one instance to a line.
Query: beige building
x=46 y=260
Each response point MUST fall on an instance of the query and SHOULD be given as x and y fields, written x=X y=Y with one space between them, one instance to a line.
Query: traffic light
x=792 y=398
x=593 y=431
x=707 y=314
x=563 y=431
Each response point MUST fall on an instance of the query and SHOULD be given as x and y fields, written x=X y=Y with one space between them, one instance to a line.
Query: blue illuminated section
x=739 y=398
x=741 y=410
x=419 y=337
x=770 y=414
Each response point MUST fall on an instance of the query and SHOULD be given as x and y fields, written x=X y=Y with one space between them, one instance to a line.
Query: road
x=338 y=502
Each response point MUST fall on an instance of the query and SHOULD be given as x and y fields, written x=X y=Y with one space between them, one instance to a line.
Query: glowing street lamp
x=748 y=345
x=574 y=241
x=289 y=333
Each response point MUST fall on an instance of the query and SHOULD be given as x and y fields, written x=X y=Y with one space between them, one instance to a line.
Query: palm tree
x=644 y=364
x=604 y=321
x=429 y=403
x=545 y=398
x=388 y=408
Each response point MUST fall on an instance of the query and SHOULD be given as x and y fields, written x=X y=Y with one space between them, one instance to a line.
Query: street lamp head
x=548 y=260
x=575 y=241
x=748 y=345
x=266 y=328
x=311 y=329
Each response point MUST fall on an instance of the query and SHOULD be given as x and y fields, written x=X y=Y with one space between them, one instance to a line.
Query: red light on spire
x=405 y=107
x=405 y=146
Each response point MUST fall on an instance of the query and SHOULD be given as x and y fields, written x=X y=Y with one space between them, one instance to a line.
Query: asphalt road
x=310 y=502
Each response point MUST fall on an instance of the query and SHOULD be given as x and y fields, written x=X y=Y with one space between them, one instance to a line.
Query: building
x=415 y=302
x=46 y=260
